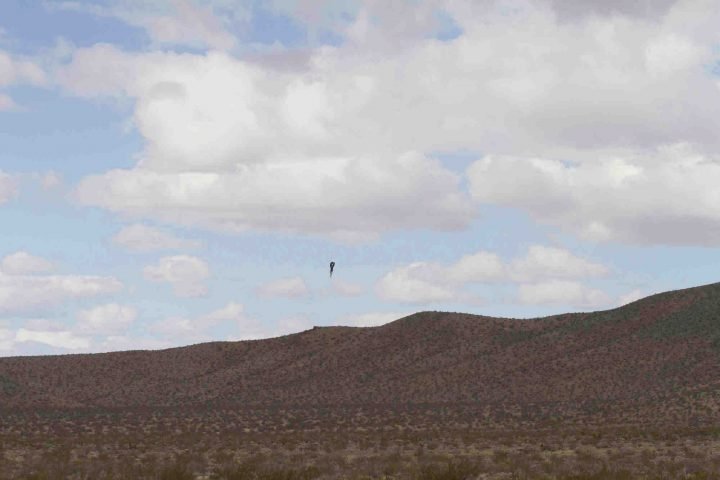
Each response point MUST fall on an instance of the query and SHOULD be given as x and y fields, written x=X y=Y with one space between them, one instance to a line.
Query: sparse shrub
x=176 y=471
x=501 y=456
x=601 y=475
x=37 y=476
x=462 y=470
x=243 y=471
x=252 y=471
x=306 y=473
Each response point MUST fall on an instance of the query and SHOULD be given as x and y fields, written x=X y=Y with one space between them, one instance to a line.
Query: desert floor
x=423 y=442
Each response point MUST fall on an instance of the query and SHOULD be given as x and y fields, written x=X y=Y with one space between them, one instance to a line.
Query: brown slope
x=660 y=347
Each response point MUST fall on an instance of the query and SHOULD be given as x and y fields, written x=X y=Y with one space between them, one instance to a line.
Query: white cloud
x=16 y=71
x=142 y=238
x=11 y=341
x=8 y=187
x=7 y=339
x=425 y=282
x=23 y=263
x=235 y=326
x=346 y=289
x=231 y=311
x=359 y=122
x=109 y=319
x=10 y=338
x=667 y=196
x=114 y=343
x=248 y=179
x=173 y=22
x=582 y=8
x=180 y=328
x=630 y=297
x=670 y=53
x=7 y=104
x=293 y=287
x=186 y=274
x=190 y=25
x=374 y=319
x=59 y=339
x=341 y=198
x=106 y=328
x=197 y=329
x=44 y=324
x=562 y=292
x=414 y=283
x=551 y=262
x=477 y=267
x=82 y=76
x=22 y=293
x=51 y=180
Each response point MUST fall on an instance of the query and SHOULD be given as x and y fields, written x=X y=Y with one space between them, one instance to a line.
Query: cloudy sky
x=180 y=171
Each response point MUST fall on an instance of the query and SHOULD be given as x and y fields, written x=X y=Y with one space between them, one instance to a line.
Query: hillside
x=659 y=351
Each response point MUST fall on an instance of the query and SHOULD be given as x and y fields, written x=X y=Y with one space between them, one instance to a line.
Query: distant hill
x=661 y=353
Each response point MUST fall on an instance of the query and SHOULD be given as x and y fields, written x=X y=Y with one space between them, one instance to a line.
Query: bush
x=252 y=471
x=462 y=470
x=177 y=471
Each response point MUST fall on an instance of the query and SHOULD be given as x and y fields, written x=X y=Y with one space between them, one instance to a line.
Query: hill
x=659 y=356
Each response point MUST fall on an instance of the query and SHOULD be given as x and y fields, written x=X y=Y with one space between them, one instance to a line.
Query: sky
x=183 y=171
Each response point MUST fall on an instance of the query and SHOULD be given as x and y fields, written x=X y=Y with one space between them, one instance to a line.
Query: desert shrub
x=501 y=456
x=37 y=476
x=462 y=470
x=252 y=471
x=702 y=476
x=306 y=473
x=176 y=471
x=243 y=471
x=603 y=474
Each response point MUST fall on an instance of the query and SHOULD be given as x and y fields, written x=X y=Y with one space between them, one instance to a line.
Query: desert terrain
x=632 y=392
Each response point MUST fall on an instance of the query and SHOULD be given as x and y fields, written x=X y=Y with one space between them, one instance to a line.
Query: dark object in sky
x=332 y=267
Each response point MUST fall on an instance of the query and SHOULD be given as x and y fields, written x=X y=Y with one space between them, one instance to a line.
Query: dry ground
x=424 y=442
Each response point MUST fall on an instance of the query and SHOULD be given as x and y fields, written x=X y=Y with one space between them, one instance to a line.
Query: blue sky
x=184 y=172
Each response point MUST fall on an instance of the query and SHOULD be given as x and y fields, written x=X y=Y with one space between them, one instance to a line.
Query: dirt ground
x=425 y=442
